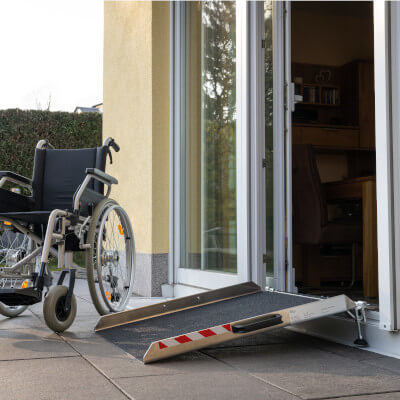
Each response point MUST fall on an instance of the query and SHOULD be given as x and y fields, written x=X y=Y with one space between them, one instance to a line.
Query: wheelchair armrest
x=93 y=173
x=15 y=178
x=101 y=176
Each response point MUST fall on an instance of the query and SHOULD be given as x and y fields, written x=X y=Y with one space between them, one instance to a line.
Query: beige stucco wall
x=136 y=114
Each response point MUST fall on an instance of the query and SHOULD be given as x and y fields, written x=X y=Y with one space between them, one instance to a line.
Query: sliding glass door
x=207 y=146
x=208 y=142
x=228 y=143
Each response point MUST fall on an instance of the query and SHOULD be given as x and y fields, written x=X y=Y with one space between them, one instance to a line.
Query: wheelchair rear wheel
x=110 y=259
x=13 y=247
x=11 y=312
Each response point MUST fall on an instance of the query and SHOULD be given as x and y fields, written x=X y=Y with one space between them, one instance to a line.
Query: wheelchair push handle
x=110 y=142
x=114 y=145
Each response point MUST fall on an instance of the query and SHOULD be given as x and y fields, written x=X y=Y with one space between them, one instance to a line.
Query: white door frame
x=257 y=133
x=257 y=140
x=395 y=112
x=290 y=272
x=387 y=108
x=193 y=277
x=279 y=143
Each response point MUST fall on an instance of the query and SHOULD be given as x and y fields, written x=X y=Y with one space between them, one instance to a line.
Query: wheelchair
x=66 y=213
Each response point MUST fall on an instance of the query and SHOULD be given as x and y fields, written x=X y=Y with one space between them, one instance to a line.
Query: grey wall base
x=151 y=273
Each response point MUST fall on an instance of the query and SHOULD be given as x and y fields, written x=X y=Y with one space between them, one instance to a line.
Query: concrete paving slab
x=27 y=320
x=353 y=353
x=61 y=378
x=309 y=372
x=115 y=362
x=84 y=324
x=390 y=363
x=85 y=308
x=22 y=344
x=215 y=385
x=280 y=364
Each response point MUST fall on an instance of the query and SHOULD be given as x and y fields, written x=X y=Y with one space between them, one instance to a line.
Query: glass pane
x=269 y=178
x=209 y=138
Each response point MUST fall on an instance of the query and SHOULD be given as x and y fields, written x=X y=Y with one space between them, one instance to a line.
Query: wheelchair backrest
x=57 y=173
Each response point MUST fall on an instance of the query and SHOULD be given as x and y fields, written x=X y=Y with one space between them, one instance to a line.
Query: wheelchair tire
x=111 y=257
x=91 y=270
x=11 y=312
x=54 y=315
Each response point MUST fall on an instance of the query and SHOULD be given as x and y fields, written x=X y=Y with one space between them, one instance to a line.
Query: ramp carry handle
x=259 y=323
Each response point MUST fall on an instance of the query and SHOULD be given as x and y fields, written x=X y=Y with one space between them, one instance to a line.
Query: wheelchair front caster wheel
x=56 y=316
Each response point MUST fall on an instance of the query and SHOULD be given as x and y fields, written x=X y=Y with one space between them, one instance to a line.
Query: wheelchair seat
x=31 y=217
x=57 y=174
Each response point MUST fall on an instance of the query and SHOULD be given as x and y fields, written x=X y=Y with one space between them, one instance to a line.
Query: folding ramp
x=184 y=324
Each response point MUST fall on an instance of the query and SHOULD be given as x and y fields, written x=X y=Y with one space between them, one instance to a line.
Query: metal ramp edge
x=175 y=305
x=190 y=341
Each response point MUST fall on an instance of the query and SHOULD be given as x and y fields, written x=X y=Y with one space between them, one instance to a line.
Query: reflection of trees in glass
x=269 y=132
x=268 y=69
x=219 y=131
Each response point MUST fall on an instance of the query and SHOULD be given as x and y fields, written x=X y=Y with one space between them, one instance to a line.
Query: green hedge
x=21 y=130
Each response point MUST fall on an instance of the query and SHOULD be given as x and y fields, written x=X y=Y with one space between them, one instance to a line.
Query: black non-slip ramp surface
x=135 y=338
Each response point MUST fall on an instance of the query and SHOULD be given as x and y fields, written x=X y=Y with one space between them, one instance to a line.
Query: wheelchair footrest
x=20 y=297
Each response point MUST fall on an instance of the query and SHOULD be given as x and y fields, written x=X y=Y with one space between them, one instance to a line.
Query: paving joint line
x=38 y=358
x=100 y=371
x=82 y=298
x=274 y=385
x=253 y=376
x=351 y=395
x=147 y=376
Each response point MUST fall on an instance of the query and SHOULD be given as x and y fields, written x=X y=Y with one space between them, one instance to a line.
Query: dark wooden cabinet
x=326 y=136
x=349 y=123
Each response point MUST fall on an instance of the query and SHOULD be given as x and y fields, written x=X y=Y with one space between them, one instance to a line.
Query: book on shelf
x=329 y=96
x=311 y=94
x=321 y=95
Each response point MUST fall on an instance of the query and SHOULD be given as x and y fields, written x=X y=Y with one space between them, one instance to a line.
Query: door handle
x=294 y=98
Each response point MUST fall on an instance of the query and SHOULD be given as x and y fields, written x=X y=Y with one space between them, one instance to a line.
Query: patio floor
x=38 y=364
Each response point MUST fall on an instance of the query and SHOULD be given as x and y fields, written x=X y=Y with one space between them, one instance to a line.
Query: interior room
x=333 y=136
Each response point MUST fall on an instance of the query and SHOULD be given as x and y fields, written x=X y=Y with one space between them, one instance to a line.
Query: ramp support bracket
x=360 y=316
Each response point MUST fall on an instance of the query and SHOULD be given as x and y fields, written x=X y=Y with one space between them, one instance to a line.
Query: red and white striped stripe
x=193 y=336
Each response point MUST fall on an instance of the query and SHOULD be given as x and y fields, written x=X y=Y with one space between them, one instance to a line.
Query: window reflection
x=209 y=140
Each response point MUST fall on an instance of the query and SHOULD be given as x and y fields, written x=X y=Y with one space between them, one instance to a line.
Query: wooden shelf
x=354 y=101
x=319 y=104
x=326 y=136
x=325 y=94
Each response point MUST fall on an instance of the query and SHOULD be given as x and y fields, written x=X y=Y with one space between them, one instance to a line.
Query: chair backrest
x=57 y=173
x=310 y=211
